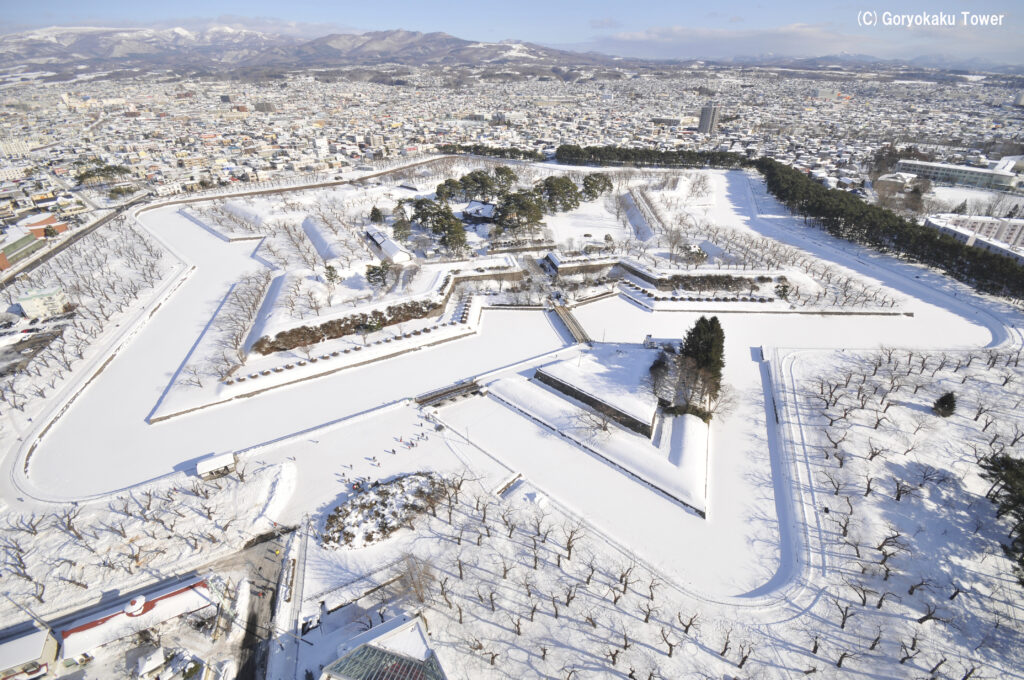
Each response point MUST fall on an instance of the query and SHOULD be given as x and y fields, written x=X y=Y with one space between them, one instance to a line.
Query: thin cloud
x=268 y=25
x=808 y=40
x=605 y=23
x=261 y=24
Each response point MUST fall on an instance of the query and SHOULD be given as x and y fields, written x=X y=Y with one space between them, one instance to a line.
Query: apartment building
x=962 y=175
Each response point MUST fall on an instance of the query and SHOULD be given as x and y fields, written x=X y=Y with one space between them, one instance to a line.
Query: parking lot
x=14 y=356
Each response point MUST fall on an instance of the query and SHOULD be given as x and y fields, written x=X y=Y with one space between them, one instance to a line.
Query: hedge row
x=357 y=323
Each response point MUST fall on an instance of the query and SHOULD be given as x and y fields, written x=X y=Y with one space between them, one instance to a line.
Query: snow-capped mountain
x=227 y=47
x=223 y=48
x=113 y=47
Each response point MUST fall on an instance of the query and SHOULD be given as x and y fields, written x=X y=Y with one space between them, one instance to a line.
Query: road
x=266 y=563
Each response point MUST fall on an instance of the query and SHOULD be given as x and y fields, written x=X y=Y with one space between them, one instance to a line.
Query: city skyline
x=645 y=29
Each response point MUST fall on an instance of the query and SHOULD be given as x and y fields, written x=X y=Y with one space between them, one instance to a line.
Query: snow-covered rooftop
x=388 y=246
x=215 y=462
x=395 y=649
x=139 y=613
x=20 y=650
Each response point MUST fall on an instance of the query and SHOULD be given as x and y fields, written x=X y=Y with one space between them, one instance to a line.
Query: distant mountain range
x=863 y=61
x=223 y=48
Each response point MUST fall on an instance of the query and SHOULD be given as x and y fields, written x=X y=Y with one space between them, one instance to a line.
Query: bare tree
x=691 y=622
x=930 y=612
x=903 y=489
x=572 y=534
x=668 y=642
x=844 y=613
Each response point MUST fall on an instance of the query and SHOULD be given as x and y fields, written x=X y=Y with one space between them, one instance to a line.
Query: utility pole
x=28 y=611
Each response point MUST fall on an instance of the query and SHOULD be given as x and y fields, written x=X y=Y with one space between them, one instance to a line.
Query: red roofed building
x=38 y=224
x=139 y=613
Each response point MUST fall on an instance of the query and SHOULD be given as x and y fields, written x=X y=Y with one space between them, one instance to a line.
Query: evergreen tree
x=331 y=275
x=1006 y=473
x=705 y=345
x=690 y=381
x=377 y=275
x=558 y=193
x=595 y=184
x=945 y=405
x=478 y=185
x=376 y=216
x=423 y=211
x=402 y=228
x=705 y=342
x=504 y=179
x=437 y=217
x=454 y=236
x=498 y=152
x=448 y=189
x=519 y=210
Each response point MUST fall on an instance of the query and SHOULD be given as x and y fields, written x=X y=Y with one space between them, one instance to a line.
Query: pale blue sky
x=653 y=28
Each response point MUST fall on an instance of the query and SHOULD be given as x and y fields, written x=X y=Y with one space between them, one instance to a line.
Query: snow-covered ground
x=613 y=375
x=765 y=569
x=944 y=199
x=590 y=223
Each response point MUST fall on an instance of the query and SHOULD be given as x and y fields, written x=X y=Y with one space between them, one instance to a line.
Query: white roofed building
x=216 y=465
x=43 y=303
x=965 y=175
x=389 y=248
x=479 y=211
x=83 y=636
x=28 y=656
x=1002 y=236
x=396 y=649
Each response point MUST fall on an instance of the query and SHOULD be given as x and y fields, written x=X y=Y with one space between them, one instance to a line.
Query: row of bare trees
x=529 y=590
x=102 y=275
x=231 y=329
x=58 y=558
x=905 y=536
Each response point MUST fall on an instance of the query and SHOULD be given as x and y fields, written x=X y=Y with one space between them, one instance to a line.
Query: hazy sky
x=649 y=28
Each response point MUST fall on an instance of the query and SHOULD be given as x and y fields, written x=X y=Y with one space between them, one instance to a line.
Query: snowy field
x=614 y=375
x=584 y=565
x=590 y=223
x=979 y=201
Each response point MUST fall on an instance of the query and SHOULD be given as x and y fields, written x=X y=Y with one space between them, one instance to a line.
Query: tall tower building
x=708 y=119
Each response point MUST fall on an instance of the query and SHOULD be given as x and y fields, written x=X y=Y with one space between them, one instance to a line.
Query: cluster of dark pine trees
x=495 y=151
x=1007 y=491
x=690 y=380
x=846 y=216
x=572 y=154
